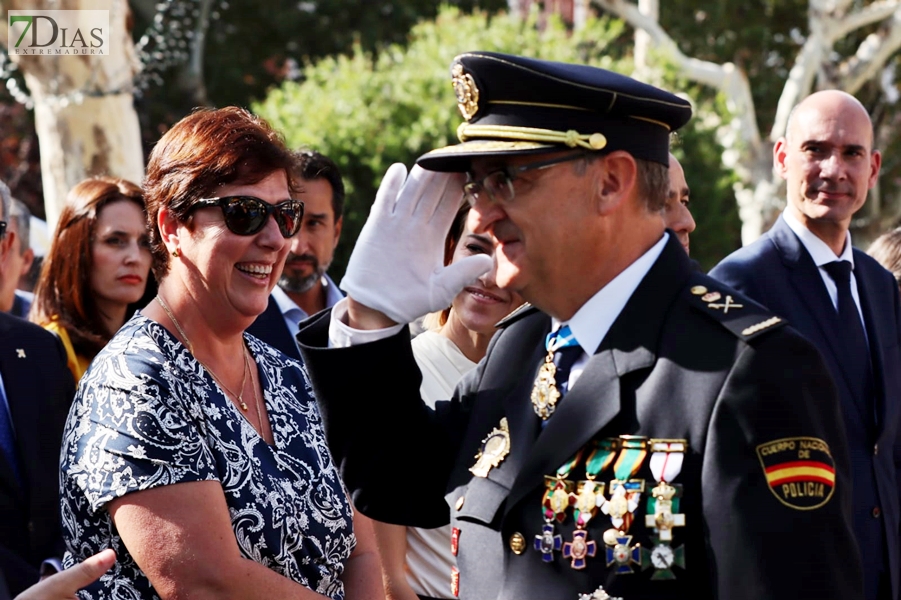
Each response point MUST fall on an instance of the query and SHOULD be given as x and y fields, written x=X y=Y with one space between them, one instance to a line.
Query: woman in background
x=886 y=249
x=97 y=267
x=416 y=562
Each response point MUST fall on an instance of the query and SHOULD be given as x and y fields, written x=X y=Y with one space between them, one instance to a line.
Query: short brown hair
x=206 y=149
x=63 y=292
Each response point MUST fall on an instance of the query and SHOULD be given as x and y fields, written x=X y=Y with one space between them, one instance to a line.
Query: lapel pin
x=20 y=352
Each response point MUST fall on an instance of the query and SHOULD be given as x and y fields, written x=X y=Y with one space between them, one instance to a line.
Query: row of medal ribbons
x=586 y=500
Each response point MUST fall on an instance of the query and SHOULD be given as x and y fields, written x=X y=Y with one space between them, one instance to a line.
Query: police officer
x=639 y=431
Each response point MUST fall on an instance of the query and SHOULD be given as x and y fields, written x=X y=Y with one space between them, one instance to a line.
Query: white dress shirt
x=822 y=254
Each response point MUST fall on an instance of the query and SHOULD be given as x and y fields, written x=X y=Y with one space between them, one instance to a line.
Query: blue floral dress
x=148 y=414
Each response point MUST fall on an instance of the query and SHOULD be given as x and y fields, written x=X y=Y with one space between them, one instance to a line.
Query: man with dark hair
x=676 y=214
x=304 y=287
x=806 y=271
x=641 y=430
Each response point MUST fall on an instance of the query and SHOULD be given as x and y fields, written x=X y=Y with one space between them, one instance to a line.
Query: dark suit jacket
x=272 y=329
x=671 y=366
x=778 y=272
x=39 y=389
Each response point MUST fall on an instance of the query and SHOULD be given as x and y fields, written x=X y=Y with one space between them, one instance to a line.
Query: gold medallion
x=495 y=448
x=610 y=536
x=545 y=393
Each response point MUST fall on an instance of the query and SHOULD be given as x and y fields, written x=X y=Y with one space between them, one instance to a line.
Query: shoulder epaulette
x=519 y=313
x=740 y=315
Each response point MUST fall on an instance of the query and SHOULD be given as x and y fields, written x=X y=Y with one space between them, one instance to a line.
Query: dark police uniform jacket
x=749 y=395
x=777 y=271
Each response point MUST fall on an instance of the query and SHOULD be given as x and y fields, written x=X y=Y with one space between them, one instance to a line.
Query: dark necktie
x=8 y=437
x=857 y=356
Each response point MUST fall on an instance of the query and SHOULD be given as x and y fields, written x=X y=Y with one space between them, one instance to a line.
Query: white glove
x=397 y=265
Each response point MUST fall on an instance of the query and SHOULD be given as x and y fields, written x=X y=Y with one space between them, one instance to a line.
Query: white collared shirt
x=822 y=254
x=589 y=325
x=593 y=320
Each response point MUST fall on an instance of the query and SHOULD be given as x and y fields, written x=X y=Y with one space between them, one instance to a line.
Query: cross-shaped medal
x=546 y=542
x=579 y=548
x=624 y=555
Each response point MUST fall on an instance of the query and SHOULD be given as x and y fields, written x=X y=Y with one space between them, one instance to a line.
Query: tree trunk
x=83 y=106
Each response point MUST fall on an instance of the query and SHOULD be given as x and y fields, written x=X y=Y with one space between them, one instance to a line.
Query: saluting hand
x=397 y=266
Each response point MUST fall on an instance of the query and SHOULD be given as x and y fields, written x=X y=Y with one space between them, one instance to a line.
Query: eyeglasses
x=2 y=229
x=247 y=215
x=499 y=184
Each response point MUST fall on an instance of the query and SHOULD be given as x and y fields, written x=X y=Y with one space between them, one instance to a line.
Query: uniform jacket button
x=517 y=543
x=876 y=512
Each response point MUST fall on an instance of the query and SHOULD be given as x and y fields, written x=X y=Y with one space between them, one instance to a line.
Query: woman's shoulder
x=141 y=348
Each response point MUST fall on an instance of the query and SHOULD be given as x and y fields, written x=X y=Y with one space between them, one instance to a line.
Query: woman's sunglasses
x=246 y=215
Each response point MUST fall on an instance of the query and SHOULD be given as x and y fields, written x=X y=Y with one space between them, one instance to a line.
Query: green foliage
x=367 y=112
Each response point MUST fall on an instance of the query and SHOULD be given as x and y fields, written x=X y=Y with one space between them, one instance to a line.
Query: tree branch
x=726 y=77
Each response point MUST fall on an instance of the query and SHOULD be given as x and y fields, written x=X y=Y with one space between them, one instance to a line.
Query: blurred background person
x=36 y=391
x=97 y=267
x=304 y=287
x=676 y=214
x=416 y=562
x=18 y=260
x=194 y=450
x=886 y=249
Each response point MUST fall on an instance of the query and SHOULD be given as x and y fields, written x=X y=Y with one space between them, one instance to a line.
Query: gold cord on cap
x=570 y=138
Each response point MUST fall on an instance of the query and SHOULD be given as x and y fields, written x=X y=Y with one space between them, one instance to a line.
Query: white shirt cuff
x=342 y=335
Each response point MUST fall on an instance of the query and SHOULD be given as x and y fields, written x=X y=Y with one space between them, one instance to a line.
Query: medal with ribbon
x=554 y=504
x=663 y=506
x=589 y=495
x=624 y=499
x=546 y=392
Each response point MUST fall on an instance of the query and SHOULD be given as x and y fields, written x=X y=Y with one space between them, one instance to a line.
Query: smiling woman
x=96 y=269
x=217 y=478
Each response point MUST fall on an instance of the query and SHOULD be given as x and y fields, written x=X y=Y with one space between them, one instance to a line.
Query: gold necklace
x=256 y=398
x=238 y=397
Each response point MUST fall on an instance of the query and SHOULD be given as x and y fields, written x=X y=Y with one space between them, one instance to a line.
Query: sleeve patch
x=799 y=471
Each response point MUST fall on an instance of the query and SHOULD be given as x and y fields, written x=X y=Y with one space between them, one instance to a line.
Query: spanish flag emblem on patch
x=799 y=471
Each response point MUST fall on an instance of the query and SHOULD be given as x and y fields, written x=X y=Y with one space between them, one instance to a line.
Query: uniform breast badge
x=495 y=448
x=556 y=501
x=546 y=392
x=586 y=500
x=663 y=507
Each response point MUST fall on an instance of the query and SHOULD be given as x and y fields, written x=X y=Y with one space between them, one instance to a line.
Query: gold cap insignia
x=466 y=91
